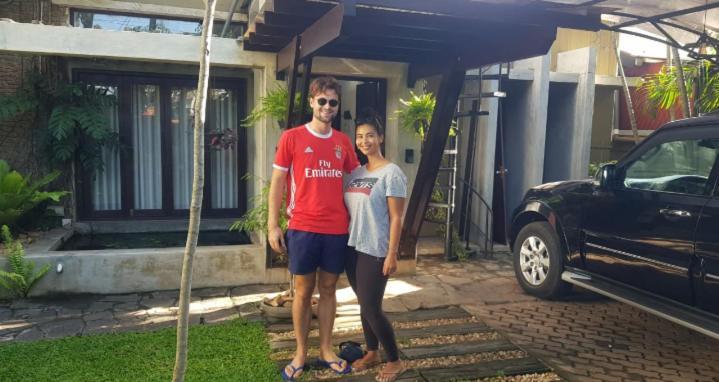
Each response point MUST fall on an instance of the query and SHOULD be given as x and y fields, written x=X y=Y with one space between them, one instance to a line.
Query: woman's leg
x=371 y=284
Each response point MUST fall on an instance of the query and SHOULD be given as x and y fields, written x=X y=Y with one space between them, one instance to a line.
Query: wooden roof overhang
x=426 y=34
x=435 y=37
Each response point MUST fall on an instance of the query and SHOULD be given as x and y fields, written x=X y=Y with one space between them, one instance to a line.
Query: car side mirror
x=607 y=176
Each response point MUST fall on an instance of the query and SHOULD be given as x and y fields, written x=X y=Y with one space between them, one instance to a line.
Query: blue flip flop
x=295 y=370
x=328 y=364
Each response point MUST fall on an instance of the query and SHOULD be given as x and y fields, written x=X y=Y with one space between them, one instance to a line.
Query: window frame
x=658 y=148
x=665 y=135
x=124 y=82
x=73 y=11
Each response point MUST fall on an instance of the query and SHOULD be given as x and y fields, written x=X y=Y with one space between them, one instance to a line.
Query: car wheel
x=538 y=261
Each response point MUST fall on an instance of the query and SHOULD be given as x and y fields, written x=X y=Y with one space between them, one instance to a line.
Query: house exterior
x=146 y=53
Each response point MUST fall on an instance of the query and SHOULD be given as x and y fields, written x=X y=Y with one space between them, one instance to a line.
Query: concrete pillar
x=569 y=125
x=525 y=122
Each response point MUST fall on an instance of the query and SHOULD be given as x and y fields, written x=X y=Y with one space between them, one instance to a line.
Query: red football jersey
x=315 y=164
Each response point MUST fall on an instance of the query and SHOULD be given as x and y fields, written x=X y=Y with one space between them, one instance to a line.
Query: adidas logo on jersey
x=308 y=150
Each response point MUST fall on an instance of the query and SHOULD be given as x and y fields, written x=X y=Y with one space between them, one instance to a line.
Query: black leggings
x=365 y=275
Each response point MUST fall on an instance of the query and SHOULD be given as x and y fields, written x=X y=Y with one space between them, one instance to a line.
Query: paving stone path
x=582 y=338
x=441 y=344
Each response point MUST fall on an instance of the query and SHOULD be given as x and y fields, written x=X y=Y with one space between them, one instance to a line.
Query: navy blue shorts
x=308 y=250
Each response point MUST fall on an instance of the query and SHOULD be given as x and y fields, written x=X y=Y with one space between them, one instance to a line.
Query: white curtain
x=106 y=191
x=146 y=146
x=222 y=111
x=182 y=135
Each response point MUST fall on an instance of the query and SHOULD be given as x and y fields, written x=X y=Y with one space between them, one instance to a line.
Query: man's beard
x=318 y=116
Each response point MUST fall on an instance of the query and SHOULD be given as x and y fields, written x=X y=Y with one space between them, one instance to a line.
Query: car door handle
x=675 y=213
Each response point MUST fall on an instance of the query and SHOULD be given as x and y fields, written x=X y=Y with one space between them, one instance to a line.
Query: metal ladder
x=449 y=167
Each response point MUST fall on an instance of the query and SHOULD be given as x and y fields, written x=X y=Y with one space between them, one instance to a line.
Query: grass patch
x=232 y=351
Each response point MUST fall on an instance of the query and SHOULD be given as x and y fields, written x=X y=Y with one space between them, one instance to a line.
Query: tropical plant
x=701 y=79
x=22 y=276
x=416 y=116
x=18 y=195
x=73 y=116
x=255 y=219
x=273 y=105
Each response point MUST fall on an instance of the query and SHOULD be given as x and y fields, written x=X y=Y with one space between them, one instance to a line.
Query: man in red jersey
x=310 y=162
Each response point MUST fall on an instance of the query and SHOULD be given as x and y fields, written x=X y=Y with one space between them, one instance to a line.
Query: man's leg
x=326 y=314
x=302 y=314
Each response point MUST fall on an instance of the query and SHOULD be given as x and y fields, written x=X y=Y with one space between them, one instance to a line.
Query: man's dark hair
x=322 y=84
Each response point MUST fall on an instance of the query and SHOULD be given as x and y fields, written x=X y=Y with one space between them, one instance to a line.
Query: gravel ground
x=349 y=330
x=439 y=362
x=453 y=339
x=544 y=377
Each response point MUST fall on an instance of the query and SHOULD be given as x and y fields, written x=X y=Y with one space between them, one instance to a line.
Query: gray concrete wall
x=560 y=122
x=525 y=123
x=570 y=117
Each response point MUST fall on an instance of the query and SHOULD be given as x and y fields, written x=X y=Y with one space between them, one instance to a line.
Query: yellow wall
x=570 y=39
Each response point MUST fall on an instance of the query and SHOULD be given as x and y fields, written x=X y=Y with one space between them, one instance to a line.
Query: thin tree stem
x=198 y=181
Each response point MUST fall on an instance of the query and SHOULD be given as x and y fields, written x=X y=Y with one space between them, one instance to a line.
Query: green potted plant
x=273 y=105
x=416 y=115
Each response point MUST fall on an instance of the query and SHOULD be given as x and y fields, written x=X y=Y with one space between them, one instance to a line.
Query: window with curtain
x=146 y=141
x=222 y=110
x=149 y=174
x=106 y=191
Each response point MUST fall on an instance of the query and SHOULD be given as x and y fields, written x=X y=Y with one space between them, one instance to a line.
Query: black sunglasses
x=323 y=101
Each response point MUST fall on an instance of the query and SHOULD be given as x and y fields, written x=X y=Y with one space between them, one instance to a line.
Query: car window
x=677 y=166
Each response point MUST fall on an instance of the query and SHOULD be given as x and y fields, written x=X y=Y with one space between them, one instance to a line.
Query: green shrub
x=273 y=105
x=18 y=195
x=255 y=219
x=73 y=115
x=22 y=276
x=416 y=115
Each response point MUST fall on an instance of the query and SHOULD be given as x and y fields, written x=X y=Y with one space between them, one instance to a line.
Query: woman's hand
x=390 y=265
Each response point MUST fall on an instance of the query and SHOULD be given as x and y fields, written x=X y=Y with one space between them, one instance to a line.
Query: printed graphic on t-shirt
x=338 y=151
x=323 y=169
x=362 y=185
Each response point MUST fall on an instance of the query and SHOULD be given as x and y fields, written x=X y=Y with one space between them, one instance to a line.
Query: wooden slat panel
x=415 y=316
x=507 y=367
x=461 y=348
x=400 y=334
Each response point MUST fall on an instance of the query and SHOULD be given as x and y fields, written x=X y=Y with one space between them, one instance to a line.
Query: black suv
x=644 y=231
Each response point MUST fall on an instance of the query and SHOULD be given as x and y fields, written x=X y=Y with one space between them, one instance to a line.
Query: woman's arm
x=396 y=207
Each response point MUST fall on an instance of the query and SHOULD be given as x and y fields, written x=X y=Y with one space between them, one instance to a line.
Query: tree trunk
x=681 y=84
x=198 y=180
x=627 y=95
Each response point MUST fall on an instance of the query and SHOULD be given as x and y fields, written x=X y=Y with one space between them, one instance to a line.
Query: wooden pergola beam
x=481 y=11
x=322 y=32
x=432 y=152
x=501 y=49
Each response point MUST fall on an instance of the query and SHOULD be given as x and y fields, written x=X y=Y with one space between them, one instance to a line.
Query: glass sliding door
x=181 y=120
x=149 y=173
x=106 y=191
x=146 y=147
x=222 y=113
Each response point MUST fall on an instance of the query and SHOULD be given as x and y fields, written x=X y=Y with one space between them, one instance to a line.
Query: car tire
x=539 y=261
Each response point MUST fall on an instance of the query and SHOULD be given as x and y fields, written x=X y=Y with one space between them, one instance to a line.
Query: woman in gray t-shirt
x=374 y=195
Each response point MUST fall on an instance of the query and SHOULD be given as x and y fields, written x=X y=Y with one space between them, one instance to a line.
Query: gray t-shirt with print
x=366 y=195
